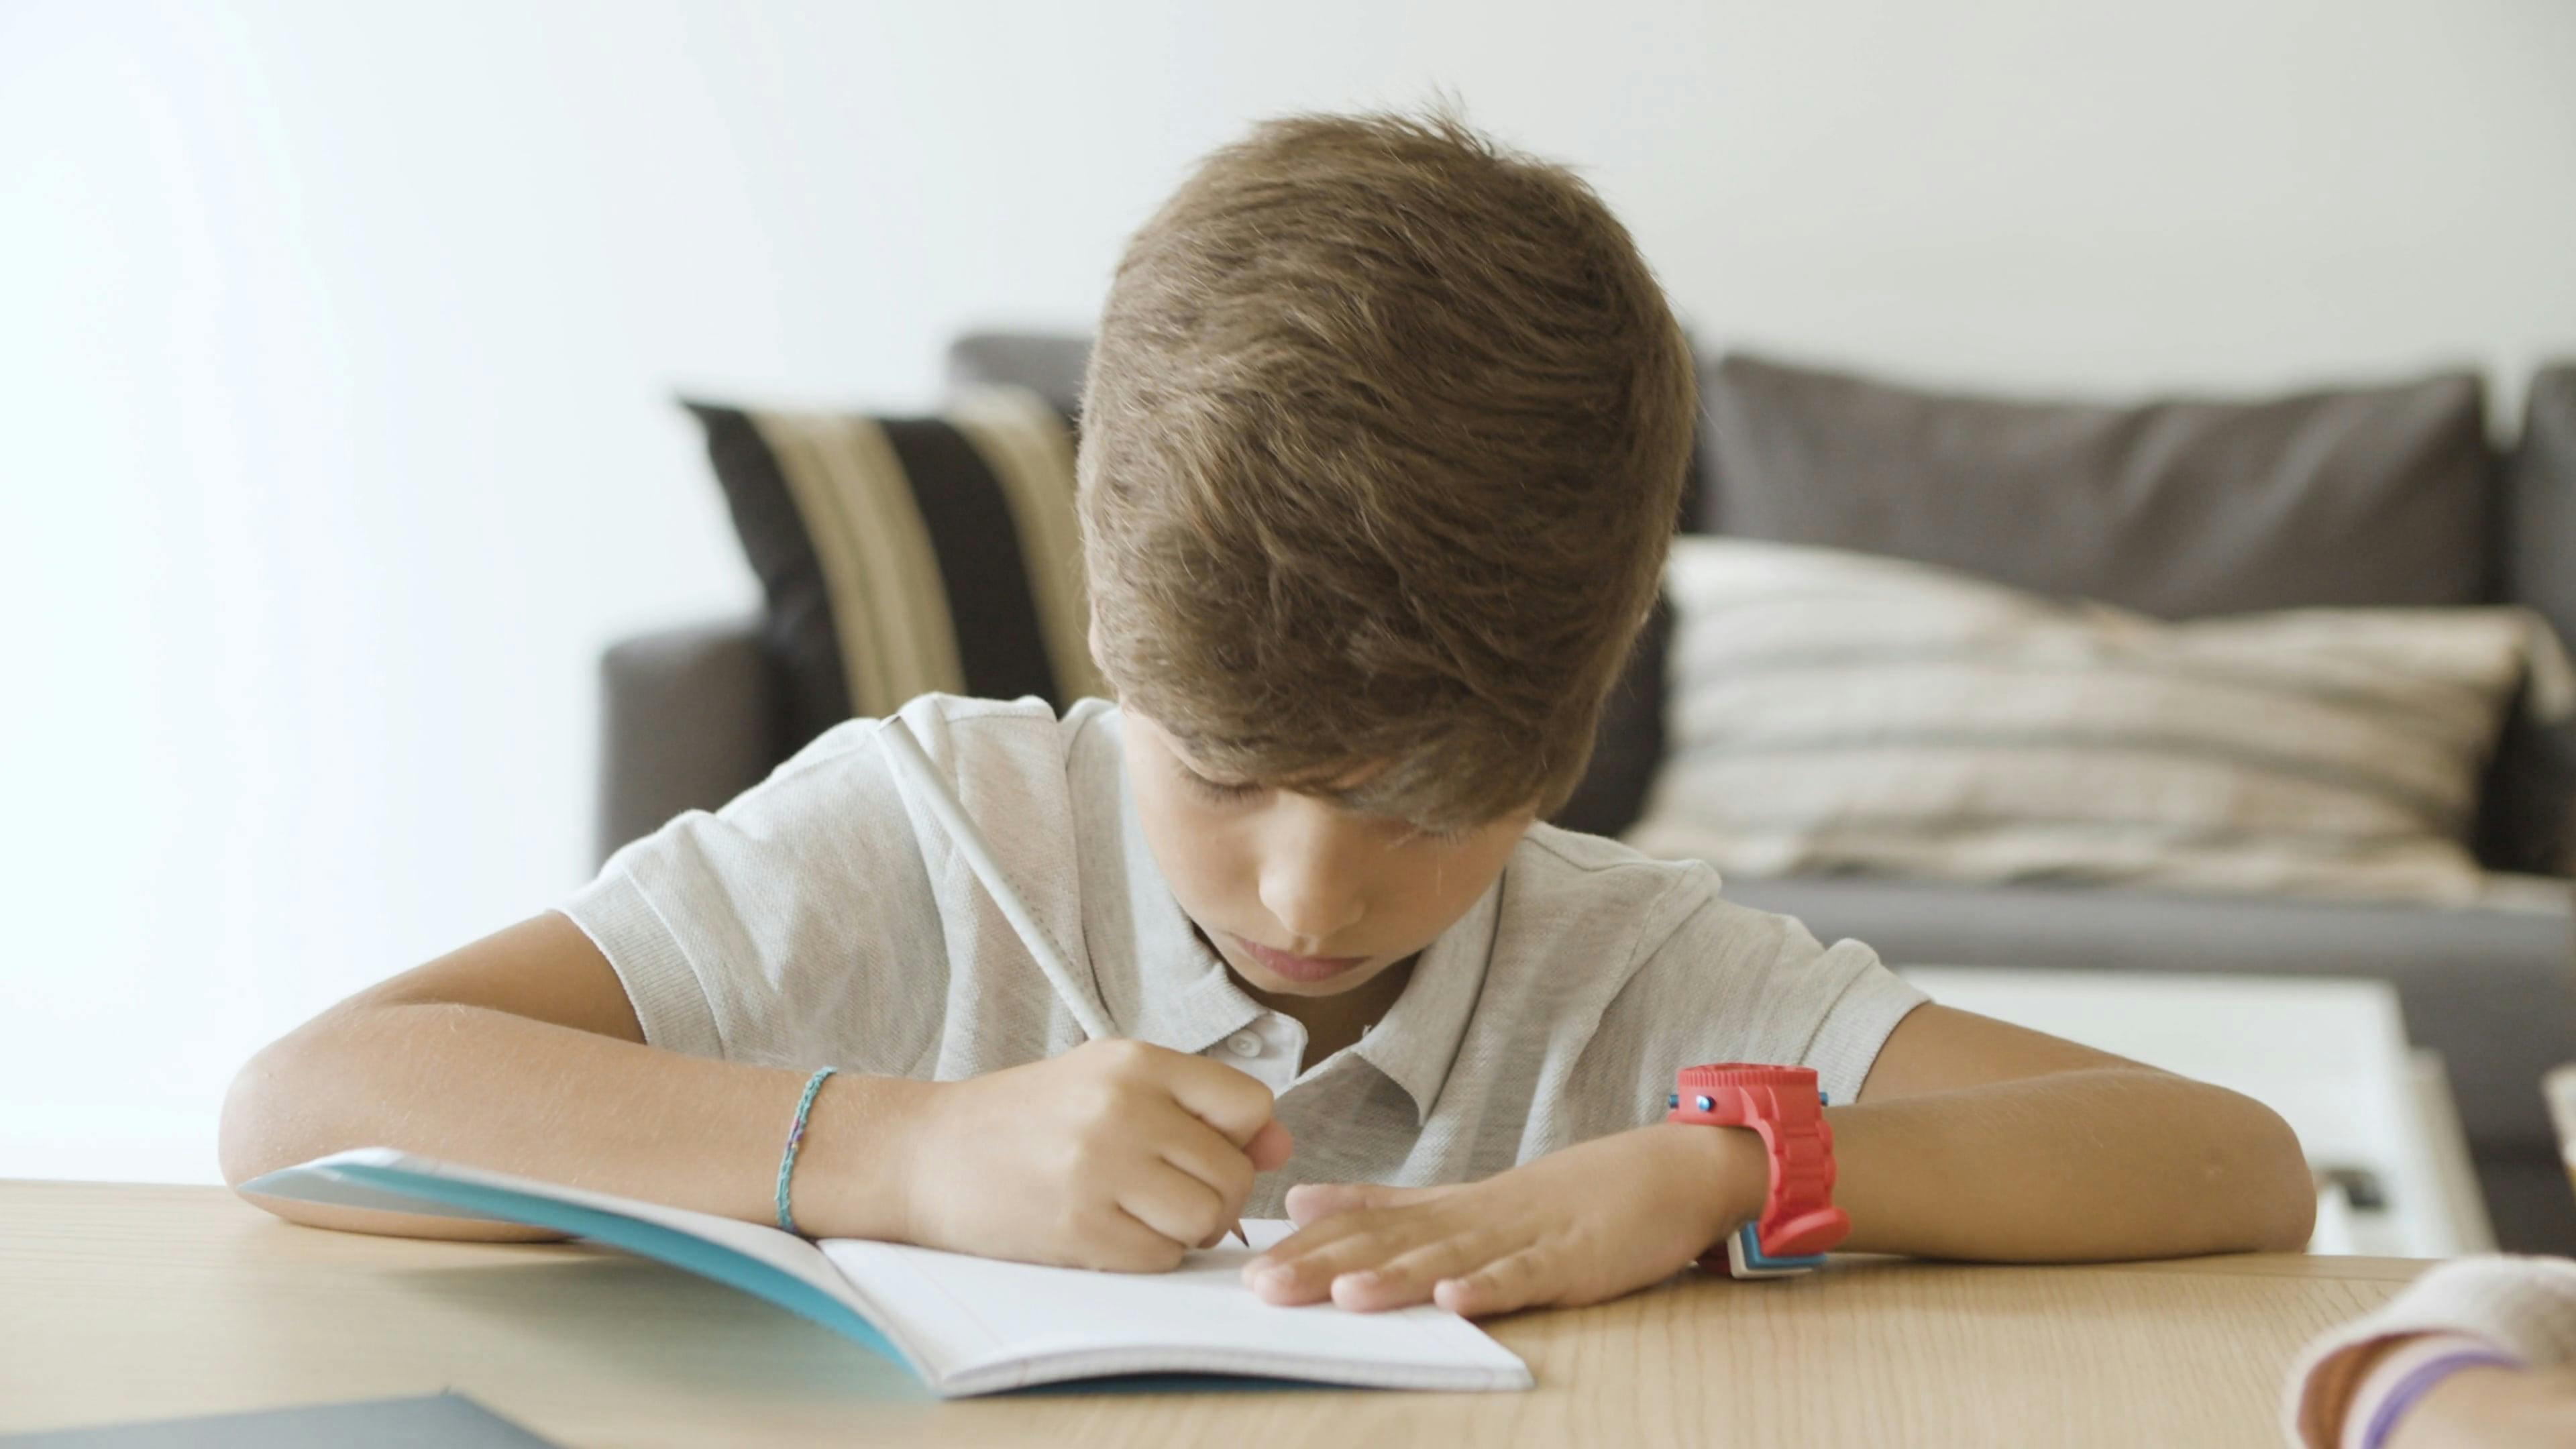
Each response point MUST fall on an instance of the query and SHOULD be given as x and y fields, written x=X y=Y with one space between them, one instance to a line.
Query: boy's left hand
x=1589 y=1223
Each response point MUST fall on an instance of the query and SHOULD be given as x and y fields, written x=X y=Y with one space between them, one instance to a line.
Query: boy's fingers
x=1201 y=1151
x=1409 y=1277
x=1225 y=1099
x=1312 y=1201
x=1295 y=1253
x=1120 y=1242
x=1174 y=1204
x=1512 y=1282
x=1268 y=1147
x=1299 y=1272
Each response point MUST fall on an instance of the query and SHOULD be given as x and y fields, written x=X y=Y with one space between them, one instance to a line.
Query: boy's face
x=1302 y=897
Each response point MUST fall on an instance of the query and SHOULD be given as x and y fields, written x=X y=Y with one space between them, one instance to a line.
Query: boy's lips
x=1299 y=968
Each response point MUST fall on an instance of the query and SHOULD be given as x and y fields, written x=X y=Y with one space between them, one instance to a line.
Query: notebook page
x=979 y=1324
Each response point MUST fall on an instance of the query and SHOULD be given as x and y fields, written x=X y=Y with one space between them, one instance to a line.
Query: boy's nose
x=1308 y=912
x=1313 y=883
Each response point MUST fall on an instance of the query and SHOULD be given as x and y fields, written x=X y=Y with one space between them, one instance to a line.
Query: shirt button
x=1243 y=1044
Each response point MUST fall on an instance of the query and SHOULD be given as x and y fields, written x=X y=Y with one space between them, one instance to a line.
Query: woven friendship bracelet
x=795 y=1135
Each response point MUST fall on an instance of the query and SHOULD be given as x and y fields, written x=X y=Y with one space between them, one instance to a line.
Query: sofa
x=693 y=715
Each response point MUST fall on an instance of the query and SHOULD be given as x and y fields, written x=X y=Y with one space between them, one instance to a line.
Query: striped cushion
x=1832 y=711
x=904 y=555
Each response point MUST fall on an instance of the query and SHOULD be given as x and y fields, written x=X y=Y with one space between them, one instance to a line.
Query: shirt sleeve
x=1728 y=983
x=796 y=924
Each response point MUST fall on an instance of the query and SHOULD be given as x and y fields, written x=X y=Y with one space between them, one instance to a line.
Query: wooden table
x=124 y=1302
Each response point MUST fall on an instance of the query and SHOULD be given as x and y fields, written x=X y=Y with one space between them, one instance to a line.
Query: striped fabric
x=904 y=556
x=1831 y=711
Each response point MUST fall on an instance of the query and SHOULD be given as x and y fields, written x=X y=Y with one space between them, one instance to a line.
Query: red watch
x=1783 y=1105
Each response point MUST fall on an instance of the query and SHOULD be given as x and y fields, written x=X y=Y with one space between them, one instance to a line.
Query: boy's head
x=1383 y=441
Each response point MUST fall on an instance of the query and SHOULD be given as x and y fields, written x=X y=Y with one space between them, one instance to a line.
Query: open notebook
x=962 y=1325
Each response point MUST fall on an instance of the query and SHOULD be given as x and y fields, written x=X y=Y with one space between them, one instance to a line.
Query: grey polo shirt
x=822 y=918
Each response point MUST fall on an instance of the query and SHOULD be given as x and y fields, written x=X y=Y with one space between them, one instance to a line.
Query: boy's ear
x=1099 y=657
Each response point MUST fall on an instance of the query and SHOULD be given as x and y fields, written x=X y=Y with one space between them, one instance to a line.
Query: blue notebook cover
x=368 y=1179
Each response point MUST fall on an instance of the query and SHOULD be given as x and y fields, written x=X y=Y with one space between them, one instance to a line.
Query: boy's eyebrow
x=1346 y=788
x=1318 y=785
x=1353 y=796
x=1355 y=799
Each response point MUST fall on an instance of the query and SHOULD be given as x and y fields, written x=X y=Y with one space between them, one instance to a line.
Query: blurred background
x=339 y=349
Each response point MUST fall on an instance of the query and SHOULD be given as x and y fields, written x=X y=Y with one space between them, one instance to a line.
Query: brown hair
x=1382 y=445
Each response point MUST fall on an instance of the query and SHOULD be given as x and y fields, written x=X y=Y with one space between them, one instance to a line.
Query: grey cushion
x=2363 y=496
x=1048 y=363
x=2540 y=503
x=689 y=718
x=2530 y=821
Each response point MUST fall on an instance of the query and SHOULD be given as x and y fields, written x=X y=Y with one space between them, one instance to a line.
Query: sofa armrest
x=687 y=721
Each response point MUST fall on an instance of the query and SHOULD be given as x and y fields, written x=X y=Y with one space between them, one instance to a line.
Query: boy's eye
x=1217 y=790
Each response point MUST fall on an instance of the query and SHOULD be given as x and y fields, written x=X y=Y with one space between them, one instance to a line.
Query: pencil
x=911 y=760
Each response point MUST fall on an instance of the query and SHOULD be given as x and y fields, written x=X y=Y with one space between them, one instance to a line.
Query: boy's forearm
x=2104 y=1164
x=2493 y=1408
x=517 y=1095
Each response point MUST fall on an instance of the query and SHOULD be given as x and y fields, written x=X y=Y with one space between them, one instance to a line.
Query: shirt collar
x=1417 y=1040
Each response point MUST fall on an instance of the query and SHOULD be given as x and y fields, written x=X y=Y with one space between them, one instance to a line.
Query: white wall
x=337 y=346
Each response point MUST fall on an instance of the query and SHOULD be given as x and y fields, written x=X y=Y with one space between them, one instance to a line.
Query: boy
x=1383 y=437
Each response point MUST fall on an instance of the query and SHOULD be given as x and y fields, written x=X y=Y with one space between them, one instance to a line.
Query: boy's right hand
x=1117 y=1155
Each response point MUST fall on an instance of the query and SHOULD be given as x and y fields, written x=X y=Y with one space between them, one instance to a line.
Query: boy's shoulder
x=1565 y=884
x=1593 y=936
x=1600 y=866
x=960 y=731
x=1006 y=759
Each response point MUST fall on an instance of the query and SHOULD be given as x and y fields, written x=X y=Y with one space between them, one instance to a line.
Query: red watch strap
x=1783 y=1107
x=1798 y=1213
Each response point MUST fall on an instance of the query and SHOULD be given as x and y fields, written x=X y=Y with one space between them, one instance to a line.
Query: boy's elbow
x=277 y=1112
x=251 y=1132
x=2278 y=1191
x=2291 y=1219
x=270 y=1120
